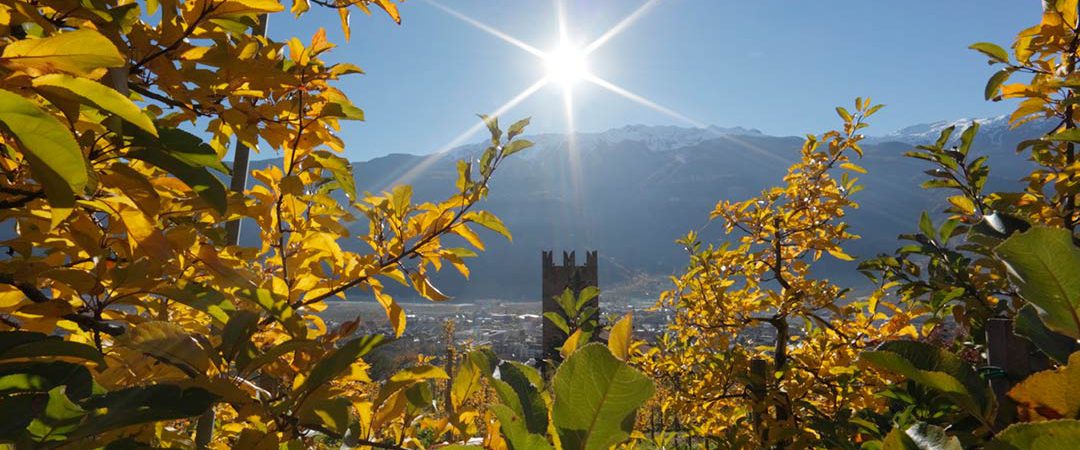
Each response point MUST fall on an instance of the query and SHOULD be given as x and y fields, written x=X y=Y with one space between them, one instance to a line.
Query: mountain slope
x=630 y=192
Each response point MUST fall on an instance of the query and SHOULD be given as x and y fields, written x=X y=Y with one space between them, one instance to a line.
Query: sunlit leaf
x=994 y=51
x=936 y=369
x=619 y=339
x=82 y=52
x=55 y=158
x=339 y=360
x=1044 y=263
x=595 y=397
x=98 y=95
x=1051 y=394
x=1047 y=435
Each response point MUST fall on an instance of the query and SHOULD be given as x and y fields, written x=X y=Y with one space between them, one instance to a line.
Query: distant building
x=555 y=280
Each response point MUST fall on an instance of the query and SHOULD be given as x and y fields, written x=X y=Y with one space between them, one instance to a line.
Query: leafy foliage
x=116 y=200
x=755 y=298
x=1006 y=256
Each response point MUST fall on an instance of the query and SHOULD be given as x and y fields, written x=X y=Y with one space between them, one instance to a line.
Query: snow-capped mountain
x=630 y=192
x=658 y=138
x=995 y=131
x=928 y=132
x=653 y=137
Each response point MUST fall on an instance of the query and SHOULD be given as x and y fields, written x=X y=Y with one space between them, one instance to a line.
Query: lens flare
x=566 y=66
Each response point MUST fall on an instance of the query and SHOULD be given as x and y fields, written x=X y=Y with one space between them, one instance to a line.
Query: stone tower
x=555 y=280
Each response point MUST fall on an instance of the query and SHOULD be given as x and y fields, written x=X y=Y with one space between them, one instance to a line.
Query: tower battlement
x=555 y=280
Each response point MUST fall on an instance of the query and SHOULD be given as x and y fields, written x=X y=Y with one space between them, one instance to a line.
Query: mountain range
x=631 y=192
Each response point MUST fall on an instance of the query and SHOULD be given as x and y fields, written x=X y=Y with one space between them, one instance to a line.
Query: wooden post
x=758 y=393
x=1015 y=356
x=998 y=332
x=1011 y=359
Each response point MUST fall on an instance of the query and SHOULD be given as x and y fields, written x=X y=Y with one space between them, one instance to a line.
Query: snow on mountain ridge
x=654 y=137
x=671 y=137
x=933 y=129
x=667 y=137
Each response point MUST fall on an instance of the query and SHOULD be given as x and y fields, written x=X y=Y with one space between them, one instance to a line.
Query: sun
x=566 y=65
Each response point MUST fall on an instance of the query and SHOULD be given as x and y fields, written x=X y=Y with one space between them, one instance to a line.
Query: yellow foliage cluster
x=116 y=214
x=1047 y=53
x=753 y=297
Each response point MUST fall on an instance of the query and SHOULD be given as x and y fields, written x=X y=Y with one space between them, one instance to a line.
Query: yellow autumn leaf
x=619 y=339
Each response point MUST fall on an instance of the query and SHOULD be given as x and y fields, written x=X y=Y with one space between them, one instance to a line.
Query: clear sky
x=778 y=66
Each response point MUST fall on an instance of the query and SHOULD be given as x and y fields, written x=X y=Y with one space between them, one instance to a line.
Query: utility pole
x=204 y=429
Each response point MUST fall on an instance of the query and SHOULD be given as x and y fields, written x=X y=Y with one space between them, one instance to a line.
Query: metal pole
x=241 y=159
x=204 y=429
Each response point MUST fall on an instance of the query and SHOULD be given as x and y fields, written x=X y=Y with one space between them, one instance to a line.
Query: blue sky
x=779 y=66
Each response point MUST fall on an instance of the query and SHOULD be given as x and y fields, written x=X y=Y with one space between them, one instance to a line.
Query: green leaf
x=274 y=353
x=596 y=398
x=56 y=160
x=340 y=169
x=278 y=307
x=1046 y=435
x=994 y=84
x=419 y=398
x=145 y=404
x=926 y=226
x=339 y=360
x=517 y=128
x=1066 y=135
x=967 y=137
x=342 y=109
x=25 y=344
x=1057 y=346
x=1045 y=264
x=61 y=416
x=567 y=302
x=186 y=157
x=475 y=366
x=202 y=298
x=587 y=294
x=516 y=146
x=98 y=95
x=518 y=386
x=81 y=52
x=558 y=320
x=44 y=376
x=944 y=137
x=237 y=333
x=407 y=377
x=513 y=429
x=994 y=51
x=937 y=369
x=331 y=414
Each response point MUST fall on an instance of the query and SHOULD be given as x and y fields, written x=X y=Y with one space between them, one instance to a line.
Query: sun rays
x=566 y=65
